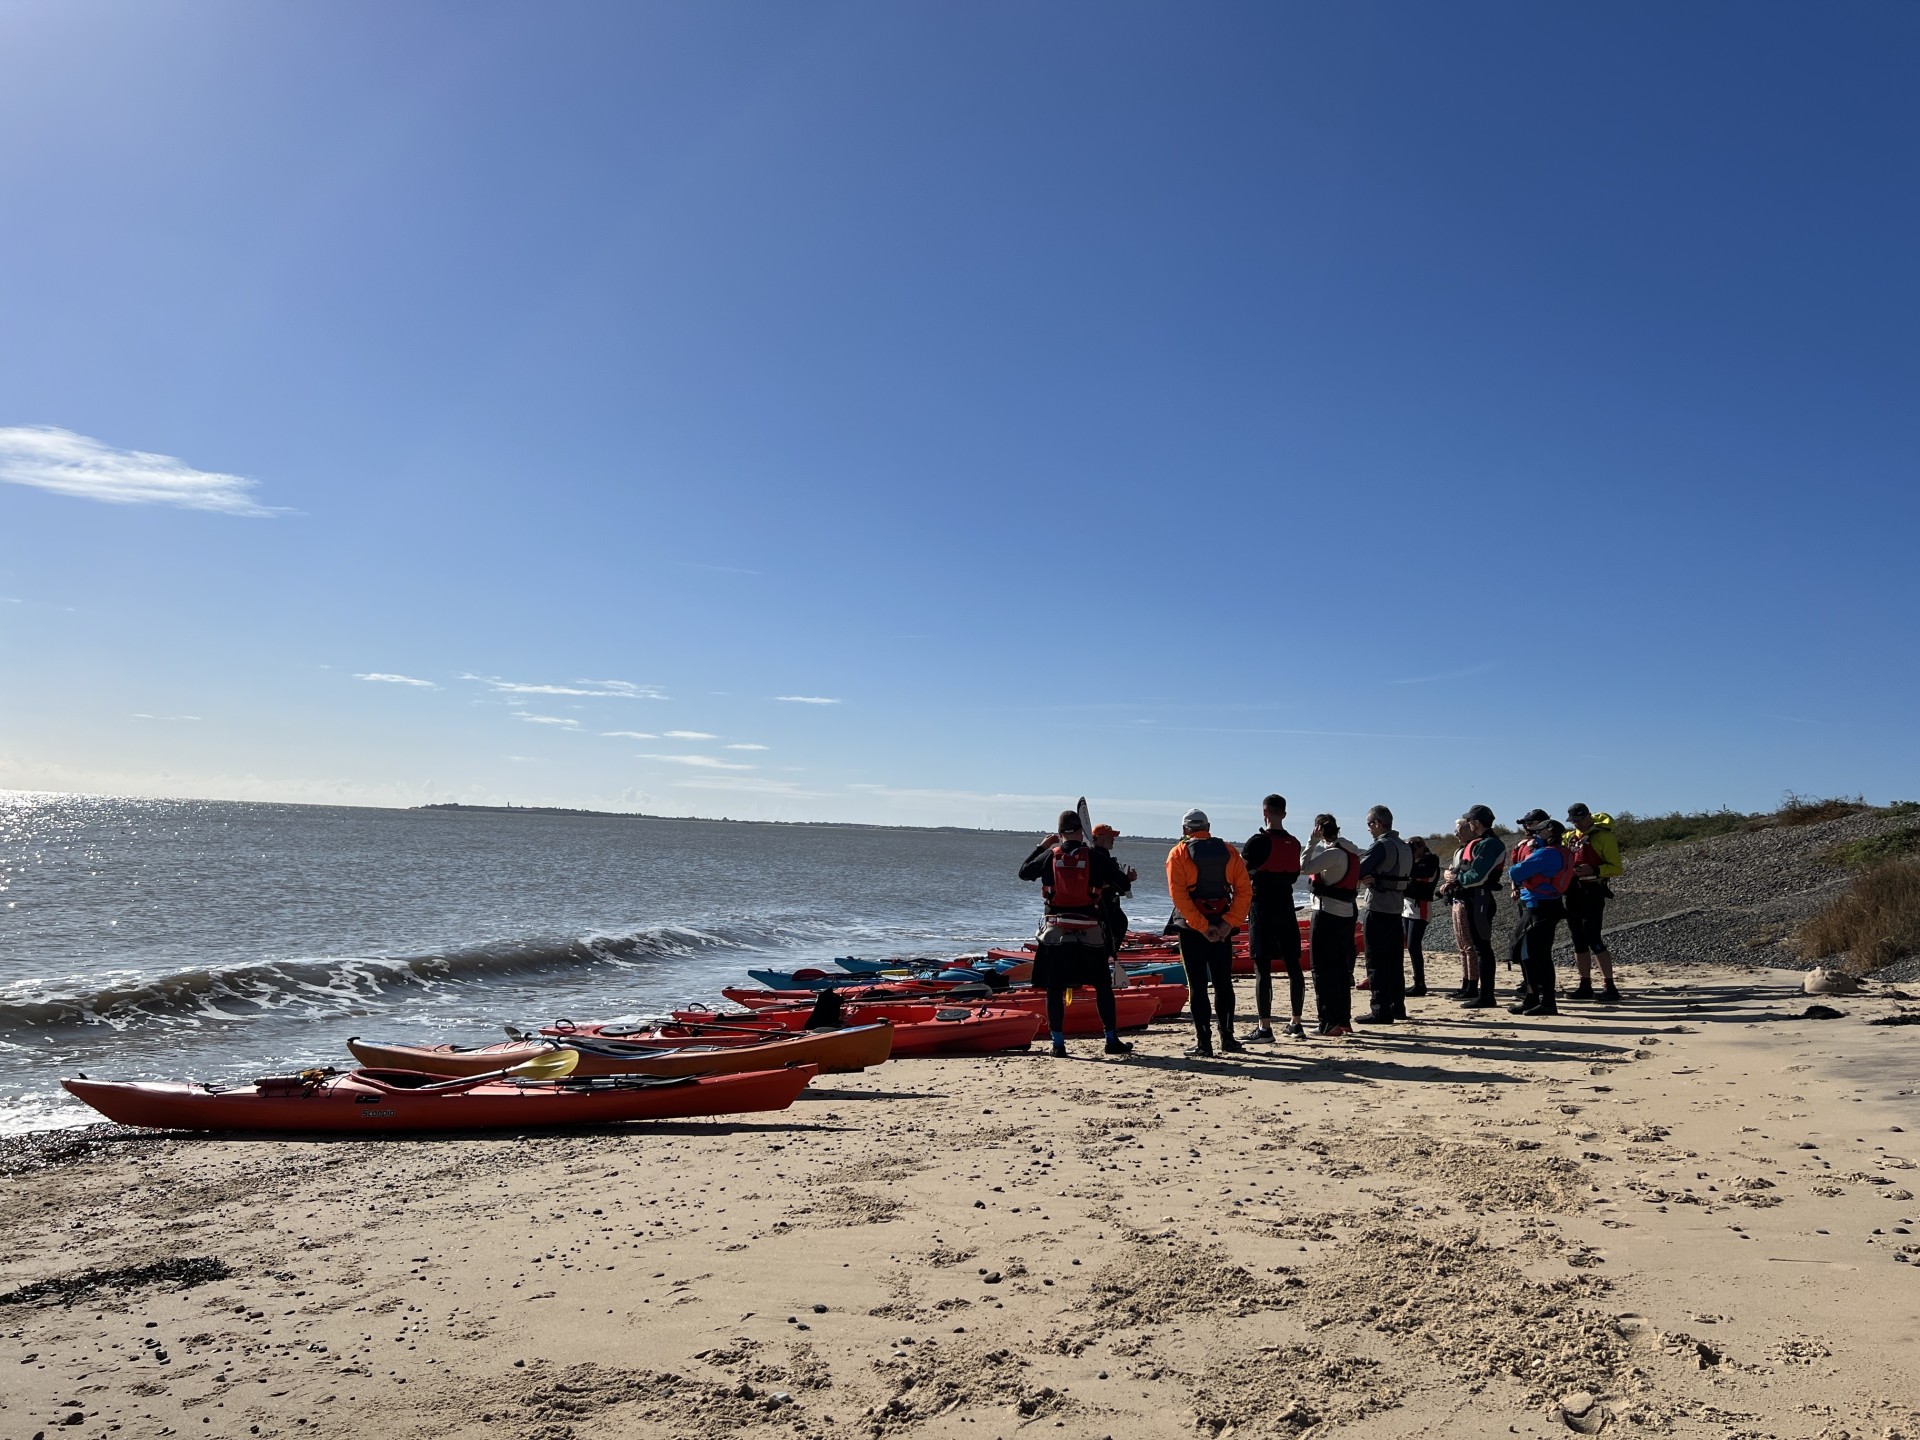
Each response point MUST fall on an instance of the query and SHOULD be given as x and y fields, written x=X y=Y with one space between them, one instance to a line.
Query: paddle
x=554 y=1065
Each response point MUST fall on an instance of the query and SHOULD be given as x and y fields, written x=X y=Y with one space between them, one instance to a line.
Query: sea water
x=212 y=940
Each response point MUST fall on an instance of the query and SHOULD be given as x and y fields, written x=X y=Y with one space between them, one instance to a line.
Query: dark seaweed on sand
x=183 y=1274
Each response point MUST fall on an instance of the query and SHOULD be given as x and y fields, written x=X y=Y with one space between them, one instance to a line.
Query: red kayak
x=369 y=1101
x=918 y=1028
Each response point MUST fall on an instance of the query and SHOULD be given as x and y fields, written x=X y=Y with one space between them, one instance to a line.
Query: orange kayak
x=835 y=1052
x=372 y=1102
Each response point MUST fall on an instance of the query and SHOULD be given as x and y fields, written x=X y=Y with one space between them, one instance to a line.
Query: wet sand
x=1693 y=1215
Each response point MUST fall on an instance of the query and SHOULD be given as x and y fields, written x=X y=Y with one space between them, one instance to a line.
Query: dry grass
x=1805 y=810
x=1875 y=923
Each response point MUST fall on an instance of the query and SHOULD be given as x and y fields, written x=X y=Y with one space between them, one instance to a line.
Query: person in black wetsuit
x=1419 y=909
x=1273 y=861
x=1112 y=918
x=1384 y=870
x=1072 y=948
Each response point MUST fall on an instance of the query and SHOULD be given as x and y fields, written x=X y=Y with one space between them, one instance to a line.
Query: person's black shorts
x=1586 y=908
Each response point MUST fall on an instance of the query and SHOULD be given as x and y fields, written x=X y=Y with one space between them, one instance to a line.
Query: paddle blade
x=554 y=1065
x=1086 y=820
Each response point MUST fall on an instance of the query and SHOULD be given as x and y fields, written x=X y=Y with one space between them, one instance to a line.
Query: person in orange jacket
x=1211 y=893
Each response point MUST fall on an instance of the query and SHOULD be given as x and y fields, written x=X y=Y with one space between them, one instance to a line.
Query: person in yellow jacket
x=1595 y=852
x=1211 y=893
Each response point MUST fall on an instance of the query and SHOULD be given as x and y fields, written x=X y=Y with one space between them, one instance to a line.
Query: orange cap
x=1105 y=832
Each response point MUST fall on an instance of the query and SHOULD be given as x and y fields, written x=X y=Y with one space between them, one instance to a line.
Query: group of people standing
x=1558 y=870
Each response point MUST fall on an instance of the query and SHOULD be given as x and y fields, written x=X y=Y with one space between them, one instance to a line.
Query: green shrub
x=1649 y=832
x=1874 y=923
x=1804 y=810
x=1876 y=849
x=1904 y=807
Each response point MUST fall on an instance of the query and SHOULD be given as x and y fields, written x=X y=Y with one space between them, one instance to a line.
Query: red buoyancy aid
x=1210 y=890
x=1544 y=886
x=1283 y=856
x=1070 y=886
x=1580 y=852
x=1347 y=886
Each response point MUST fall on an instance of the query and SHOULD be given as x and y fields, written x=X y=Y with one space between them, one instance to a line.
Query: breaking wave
x=334 y=985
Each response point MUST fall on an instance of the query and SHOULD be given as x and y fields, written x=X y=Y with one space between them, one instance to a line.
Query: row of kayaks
x=697 y=1063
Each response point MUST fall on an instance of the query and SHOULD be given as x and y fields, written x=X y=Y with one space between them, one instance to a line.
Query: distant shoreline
x=566 y=812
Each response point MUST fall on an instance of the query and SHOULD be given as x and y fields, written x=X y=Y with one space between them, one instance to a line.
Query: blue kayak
x=812 y=979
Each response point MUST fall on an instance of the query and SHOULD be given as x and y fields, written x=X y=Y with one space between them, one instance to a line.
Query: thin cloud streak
x=585 y=689
x=807 y=699
x=1482 y=668
x=384 y=679
x=628 y=735
x=49 y=458
x=559 y=720
x=747 y=747
x=688 y=735
x=142 y=715
x=717 y=569
x=704 y=762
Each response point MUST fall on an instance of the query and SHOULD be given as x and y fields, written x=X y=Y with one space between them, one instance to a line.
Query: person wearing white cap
x=1211 y=893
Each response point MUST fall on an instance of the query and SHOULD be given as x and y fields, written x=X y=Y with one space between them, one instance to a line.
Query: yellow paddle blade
x=551 y=1066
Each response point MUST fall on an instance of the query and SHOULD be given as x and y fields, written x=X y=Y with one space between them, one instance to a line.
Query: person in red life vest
x=1273 y=930
x=1522 y=848
x=1072 y=948
x=1472 y=884
x=1596 y=860
x=1418 y=909
x=1332 y=865
x=1211 y=893
x=1542 y=879
x=1384 y=870
x=1113 y=919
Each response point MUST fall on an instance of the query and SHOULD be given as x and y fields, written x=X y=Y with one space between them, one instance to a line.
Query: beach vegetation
x=1805 y=810
x=1650 y=832
x=1876 y=849
x=1873 y=924
x=1677 y=827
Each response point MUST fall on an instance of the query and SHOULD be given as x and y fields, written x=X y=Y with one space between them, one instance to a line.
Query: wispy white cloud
x=688 y=735
x=807 y=699
x=629 y=735
x=397 y=680
x=559 y=720
x=142 y=715
x=746 y=747
x=49 y=458
x=589 y=689
x=718 y=569
x=704 y=762
x=1482 y=668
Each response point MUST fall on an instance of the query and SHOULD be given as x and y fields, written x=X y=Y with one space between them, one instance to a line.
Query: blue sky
x=1407 y=403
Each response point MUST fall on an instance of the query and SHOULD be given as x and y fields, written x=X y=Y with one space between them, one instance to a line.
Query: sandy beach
x=1693 y=1216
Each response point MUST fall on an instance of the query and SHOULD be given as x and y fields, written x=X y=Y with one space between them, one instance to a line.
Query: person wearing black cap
x=1516 y=946
x=1471 y=883
x=1385 y=869
x=1112 y=918
x=1072 y=948
x=1542 y=879
x=1273 y=930
x=1211 y=893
